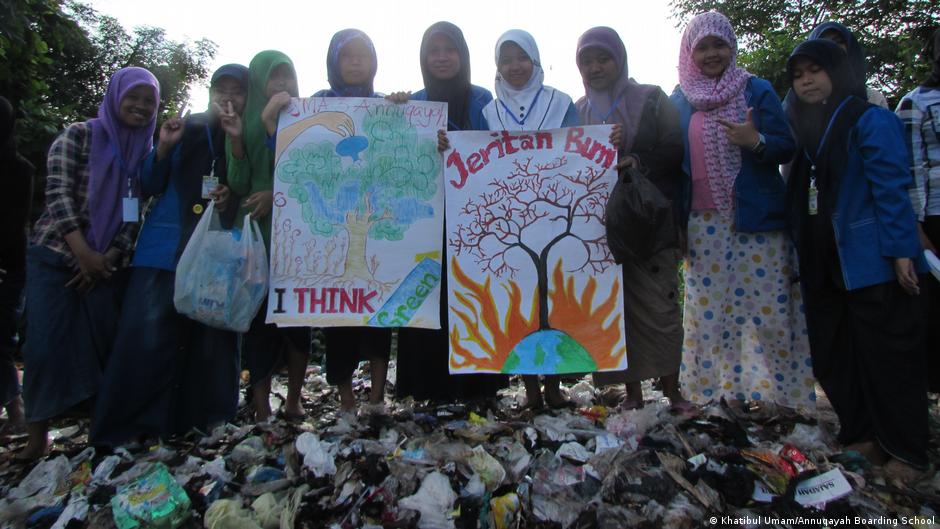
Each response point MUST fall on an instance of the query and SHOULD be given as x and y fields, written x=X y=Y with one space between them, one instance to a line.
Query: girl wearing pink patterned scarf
x=745 y=334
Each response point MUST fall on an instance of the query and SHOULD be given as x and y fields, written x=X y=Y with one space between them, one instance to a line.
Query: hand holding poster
x=533 y=288
x=358 y=214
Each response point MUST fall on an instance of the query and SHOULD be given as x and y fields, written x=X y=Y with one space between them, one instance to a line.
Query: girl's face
x=835 y=36
x=137 y=107
x=811 y=83
x=282 y=79
x=598 y=68
x=711 y=56
x=355 y=63
x=514 y=65
x=227 y=90
x=443 y=58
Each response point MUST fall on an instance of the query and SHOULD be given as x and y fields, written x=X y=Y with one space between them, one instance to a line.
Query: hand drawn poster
x=358 y=214
x=532 y=286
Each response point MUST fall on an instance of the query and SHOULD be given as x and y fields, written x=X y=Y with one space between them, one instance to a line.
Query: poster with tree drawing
x=358 y=215
x=533 y=288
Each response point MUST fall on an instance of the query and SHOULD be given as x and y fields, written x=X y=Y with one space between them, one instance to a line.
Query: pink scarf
x=721 y=98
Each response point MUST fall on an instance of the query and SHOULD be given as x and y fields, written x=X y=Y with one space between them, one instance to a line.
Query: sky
x=302 y=30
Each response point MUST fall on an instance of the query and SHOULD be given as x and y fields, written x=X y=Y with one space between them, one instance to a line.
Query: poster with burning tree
x=358 y=214
x=532 y=288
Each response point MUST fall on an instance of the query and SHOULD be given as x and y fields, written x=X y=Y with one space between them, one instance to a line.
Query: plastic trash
x=216 y=470
x=77 y=509
x=45 y=486
x=221 y=281
x=316 y=454
x=249 y=452
x=504 y=510
x=228 y=514
x=102 y=473
x=491 y=472
x=153 y=500
x=573 y=452
x=267 y=510
x=582 y=393
x=433 y=500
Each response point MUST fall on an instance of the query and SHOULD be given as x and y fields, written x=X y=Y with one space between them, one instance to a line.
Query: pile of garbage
x=465 y=465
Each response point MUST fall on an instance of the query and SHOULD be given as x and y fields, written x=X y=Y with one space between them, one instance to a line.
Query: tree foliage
x=893 y=32
x=56 y=57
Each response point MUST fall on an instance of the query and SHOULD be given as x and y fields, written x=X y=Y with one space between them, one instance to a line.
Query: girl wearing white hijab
x=522 y=101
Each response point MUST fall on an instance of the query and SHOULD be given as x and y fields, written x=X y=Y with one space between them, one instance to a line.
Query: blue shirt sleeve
x=571 y=118
x=880 y=137
x=155 y=175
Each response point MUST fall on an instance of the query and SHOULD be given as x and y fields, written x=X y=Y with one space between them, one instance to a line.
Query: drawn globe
x=548 y=352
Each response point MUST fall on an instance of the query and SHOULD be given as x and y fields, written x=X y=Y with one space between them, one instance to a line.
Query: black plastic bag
x=640 y=219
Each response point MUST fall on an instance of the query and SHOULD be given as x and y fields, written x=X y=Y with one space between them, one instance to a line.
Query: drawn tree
x=533 y=209
x=376 y=194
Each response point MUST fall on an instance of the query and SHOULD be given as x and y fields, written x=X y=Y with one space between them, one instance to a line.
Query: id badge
x=813 y=201
x=131 y=209
x=209 y=182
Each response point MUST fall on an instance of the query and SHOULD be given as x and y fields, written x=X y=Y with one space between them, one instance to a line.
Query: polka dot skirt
x=745 y=331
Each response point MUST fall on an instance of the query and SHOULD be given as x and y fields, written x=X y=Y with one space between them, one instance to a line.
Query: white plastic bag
x=220 y=280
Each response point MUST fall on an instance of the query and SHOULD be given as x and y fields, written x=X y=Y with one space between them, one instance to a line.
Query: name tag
x=209 y=182
x=131 y=209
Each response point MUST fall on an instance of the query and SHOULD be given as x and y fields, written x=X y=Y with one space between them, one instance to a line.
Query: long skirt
x=68 y=335
x=745 y=331
x=652 y=318
x=347 y=346
x=167 y=373
x=423 y=368
x=265 y=345
x=868 y=354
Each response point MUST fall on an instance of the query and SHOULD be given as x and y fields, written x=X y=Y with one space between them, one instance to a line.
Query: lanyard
x=123 y=167
x=211 y=149
x=609 y=112
x=825 y=136
x=526 y=116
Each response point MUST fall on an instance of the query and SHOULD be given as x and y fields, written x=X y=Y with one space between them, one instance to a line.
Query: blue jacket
x=873 y=219
x=760 y=200
x=176 y=181
x=479 y=98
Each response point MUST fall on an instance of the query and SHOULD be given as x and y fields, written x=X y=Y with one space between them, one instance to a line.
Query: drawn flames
x=496 y=336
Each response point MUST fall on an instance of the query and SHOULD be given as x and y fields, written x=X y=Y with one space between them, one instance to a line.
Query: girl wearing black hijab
x=844 y=37
x=860 y=257
x=919 y=110
x=423 y=355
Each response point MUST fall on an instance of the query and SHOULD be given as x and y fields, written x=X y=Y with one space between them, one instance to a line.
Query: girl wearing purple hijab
x=77 y=246
x=650 y=141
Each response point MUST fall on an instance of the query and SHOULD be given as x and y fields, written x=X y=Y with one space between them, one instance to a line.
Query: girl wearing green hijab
x=251 y=175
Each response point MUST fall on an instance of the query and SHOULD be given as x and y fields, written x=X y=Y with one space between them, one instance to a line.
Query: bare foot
x=259 y=399
x=38 y=444
x=902 y=471
x=294 y=410
x=347 y=399
x=870 y=450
